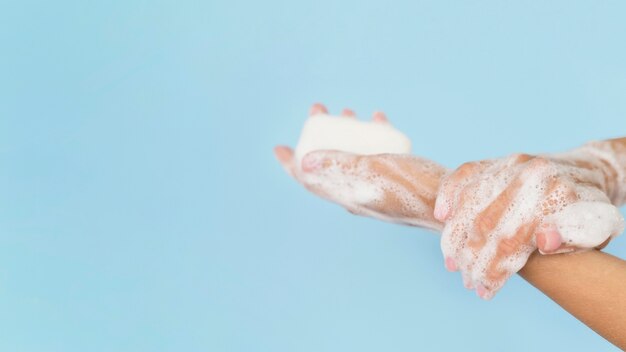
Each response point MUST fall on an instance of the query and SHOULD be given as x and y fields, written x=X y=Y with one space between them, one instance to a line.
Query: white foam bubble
x=356 y=183
x=554 y=190
x=609 y=153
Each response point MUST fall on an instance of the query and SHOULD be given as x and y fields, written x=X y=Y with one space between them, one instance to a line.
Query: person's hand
x=497 y=212
x=398 y=188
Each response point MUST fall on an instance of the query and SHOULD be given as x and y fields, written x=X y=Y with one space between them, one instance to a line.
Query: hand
x=393 y=187
x=497 y=212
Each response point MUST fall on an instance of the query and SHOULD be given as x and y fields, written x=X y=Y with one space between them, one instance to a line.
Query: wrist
x=605 y=165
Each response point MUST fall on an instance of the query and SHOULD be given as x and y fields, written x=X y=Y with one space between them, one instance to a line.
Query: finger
x=450 y=264
x=517 y=159
x=379 y=116
x=330 y=174
x=452 y=246
x=548 y=238
x=493 y=266
x=348 y=113
x=450 y=187
x=448 y=243
x=483 y=292
x=394 y=187
x=558 y=196
x=487 y=289
x=511 y=253
x=454 y=183
x=467 y=280
x=409 y=183
x=318 y=109
x=284 y=155
x=488 y=219
x=490 y=216
x=587 y=224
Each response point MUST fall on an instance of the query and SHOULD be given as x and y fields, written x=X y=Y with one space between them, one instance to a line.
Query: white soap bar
x=324 y=132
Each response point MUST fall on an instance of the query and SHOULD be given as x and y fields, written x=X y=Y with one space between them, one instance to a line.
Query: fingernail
x=541 y=241
x=348 y=113
x=481 y=291
x=317 y=109
x=379 y=116
x=562 y=251
x=549 y=241
x=441 y=211
x=553 y=241
x=450 y=264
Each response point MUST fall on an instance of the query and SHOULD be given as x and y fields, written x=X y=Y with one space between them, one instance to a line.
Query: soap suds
x=386 y=187
x=544 y=190
x=567 y=190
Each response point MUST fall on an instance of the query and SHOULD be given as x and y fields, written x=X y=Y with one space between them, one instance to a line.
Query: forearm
x=608 y=159
x=589 y=285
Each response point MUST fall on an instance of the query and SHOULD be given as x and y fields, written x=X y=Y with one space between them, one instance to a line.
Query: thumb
x=582 y=225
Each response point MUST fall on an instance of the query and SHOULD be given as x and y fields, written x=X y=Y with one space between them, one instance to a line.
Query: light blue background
x=141 y=208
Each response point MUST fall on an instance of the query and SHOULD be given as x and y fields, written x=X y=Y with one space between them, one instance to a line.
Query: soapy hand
x=365 y=167
x=497 y=212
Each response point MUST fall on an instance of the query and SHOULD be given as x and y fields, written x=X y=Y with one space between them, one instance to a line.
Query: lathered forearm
x=611 y=154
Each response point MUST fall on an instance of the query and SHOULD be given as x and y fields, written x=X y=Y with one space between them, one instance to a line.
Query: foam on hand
x=571 y=192
x=392 y=185
x=612 y=155
x=324 y=132
x=588 y=224
x=552 y=191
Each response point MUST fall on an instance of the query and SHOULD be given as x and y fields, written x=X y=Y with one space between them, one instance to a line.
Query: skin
x=590 y=285
x=565 y=278
x=407 y=195
x=489 y=238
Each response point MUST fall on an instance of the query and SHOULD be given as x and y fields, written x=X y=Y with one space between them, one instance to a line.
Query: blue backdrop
x=141 y=208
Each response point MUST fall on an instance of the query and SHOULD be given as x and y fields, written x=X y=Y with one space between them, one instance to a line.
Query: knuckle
x=466 y=167
x=496 y=276
x=519 y=158
x=484 y=224
x=538 y=163
x=542 y=166
x=455 y=183
x=445 y=185
x=508 y=246
x=464 y=171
